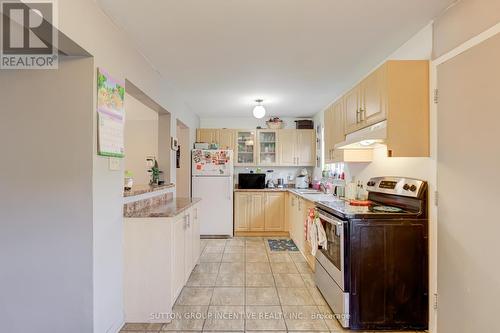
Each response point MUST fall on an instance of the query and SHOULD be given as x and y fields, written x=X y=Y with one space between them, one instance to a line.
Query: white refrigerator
x=212 y=181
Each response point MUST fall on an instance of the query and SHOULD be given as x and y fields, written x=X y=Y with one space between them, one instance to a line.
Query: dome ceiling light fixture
x=259 y=111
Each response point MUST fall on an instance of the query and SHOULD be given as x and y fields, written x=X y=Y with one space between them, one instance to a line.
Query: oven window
x=333 y=252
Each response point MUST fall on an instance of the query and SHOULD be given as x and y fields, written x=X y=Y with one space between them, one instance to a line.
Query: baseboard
x=262 y=234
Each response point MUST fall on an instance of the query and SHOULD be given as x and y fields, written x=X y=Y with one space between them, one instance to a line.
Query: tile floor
x=241 y=285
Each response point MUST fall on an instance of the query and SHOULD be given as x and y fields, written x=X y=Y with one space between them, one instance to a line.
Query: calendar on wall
x=110 y=115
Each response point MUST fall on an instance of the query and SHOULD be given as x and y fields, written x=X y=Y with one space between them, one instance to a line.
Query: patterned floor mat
x=282 y=245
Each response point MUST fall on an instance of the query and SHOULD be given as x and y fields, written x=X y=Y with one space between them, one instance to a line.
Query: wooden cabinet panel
x=257 y=212
x=373 y=93
x=287 y=142
x=306 y=147
x=328 y=142
x=352 y=105
x=227 y=139
x=178 y=262
x=408 y=109
x=209 y=135
x=188 y=246
x=196 y=235
x=275 y=206
x=242 y=208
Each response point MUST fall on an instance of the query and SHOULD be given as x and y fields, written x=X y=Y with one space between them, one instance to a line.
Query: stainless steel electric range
x=374 y=271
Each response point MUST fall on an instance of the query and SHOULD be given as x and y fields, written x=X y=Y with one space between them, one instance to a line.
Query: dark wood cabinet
x=389 y=274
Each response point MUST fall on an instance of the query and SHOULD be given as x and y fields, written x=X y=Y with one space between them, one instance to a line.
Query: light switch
x=114 y=164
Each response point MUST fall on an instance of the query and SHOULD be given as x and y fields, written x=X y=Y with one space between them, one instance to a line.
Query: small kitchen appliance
x=374 y=271
x=251 y=181
x=302 y=181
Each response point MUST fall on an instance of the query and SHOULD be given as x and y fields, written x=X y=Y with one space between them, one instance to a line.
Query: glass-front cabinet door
x=267 y=149
x=245 y=148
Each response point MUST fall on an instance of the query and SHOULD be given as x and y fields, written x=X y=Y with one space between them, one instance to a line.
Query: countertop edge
x=290 y=190
x=142 y=189
x=176 y=211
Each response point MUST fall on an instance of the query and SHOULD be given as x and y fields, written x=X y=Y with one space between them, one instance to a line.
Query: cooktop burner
x=387 y=209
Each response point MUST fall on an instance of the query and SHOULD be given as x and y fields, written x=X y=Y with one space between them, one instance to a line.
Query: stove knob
x=413 y=188
x=370 y=183
x=406 y=187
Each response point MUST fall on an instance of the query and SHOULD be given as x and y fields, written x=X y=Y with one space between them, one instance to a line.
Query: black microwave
x=252 y=180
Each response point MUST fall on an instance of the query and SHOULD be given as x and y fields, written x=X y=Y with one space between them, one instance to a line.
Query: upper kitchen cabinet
x=365 y=104
x=352 y=105
x=328 y=133
x=398 y=92
x=245 y=148
x=335 y=133
x=306 y=147
x=287 y=147
x=208 y=135
x=297 y=147
x=267 y=149
x=408 y=109
x=373 y=97
x=227 y=139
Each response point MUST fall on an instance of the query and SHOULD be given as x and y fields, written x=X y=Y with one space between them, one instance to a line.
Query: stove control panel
x=408 y=187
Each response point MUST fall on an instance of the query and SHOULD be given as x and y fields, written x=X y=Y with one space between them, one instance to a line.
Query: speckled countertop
x=141 y=189
x=310 y=195
x=261 y=190
x=169 y=208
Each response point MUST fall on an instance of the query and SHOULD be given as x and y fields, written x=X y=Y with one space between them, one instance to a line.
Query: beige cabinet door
x=257 y=212
x=286 y=142
x=275 y=206
x=245 y=148
x=306 y=148
x=178 y=263
x=242 y=206
x=267 y=147
x=188 y=247
x=328 y=133
x=373 y=95
x=352 y=105
x=227 y=139
x=294 y=212
x=196 y=235
x=338 y=122
x=208 y=135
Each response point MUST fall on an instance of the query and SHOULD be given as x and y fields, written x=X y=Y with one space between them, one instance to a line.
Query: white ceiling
x=298 y=55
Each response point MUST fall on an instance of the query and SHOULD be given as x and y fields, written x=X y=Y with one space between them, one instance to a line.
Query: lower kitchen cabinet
x=297 y=212
x=274 y=209
x=259 y=211
x=159 y=256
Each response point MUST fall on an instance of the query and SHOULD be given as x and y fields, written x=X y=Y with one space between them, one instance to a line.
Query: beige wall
x=46 y=223
x=141 y=138
x=468 y=183
x=461 y=22
x=468 y=82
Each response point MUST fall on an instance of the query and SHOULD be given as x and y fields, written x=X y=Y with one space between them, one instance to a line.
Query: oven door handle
x=331 y=220
x=337 y=223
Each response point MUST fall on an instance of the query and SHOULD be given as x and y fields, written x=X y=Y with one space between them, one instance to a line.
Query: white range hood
x=366 y=138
